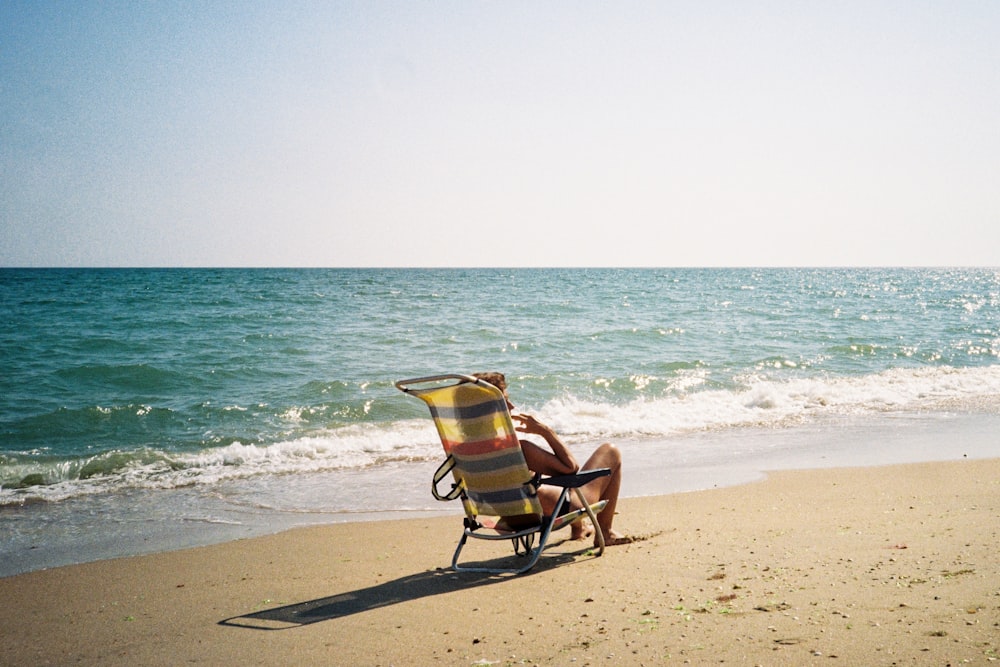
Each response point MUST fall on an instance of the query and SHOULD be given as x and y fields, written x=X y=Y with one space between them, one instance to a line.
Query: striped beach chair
x=498 y=491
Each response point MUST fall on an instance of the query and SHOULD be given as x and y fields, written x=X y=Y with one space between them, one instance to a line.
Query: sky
x=666 y=133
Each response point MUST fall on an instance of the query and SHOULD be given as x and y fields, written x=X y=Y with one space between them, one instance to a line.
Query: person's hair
x=496 y=379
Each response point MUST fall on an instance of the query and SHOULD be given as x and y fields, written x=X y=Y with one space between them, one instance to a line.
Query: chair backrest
x=476 y=430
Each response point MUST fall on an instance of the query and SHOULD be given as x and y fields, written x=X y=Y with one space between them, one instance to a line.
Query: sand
x=865 y=566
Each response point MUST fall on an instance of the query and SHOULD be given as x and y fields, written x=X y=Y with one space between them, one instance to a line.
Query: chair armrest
x=576 y=480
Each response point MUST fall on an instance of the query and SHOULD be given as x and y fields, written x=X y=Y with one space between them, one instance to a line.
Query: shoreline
x=881 y=565
x=145 y=522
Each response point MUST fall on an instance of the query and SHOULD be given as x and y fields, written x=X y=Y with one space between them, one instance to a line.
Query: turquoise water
x=133 y=383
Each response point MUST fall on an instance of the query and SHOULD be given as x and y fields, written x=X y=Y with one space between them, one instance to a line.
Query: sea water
x=143 y=409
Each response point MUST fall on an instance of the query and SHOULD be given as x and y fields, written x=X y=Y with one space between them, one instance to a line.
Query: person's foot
x=580 y=530
x=615 y=538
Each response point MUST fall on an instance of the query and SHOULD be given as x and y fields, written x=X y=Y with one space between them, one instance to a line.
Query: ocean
x=152 y=409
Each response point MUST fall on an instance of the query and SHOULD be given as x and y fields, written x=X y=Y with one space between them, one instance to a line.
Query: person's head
x=497 y=380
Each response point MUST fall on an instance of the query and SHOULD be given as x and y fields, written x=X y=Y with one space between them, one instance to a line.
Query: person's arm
x=557 y=462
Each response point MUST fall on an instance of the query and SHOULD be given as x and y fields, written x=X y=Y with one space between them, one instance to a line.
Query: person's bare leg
x=603 y=488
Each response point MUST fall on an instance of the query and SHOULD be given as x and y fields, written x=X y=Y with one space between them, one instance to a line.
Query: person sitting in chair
x=559 y=461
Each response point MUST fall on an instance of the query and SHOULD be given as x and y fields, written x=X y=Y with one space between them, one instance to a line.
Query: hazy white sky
x=499 y=133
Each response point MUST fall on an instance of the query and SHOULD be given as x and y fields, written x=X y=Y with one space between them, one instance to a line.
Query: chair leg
x=458 y=550
x=523 y=543
x=533 y=554
x=593 y=519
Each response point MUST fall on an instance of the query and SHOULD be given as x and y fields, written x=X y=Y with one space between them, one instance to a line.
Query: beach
x=880 y=565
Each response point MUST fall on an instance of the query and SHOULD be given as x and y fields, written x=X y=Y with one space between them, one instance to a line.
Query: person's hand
x=528 y=424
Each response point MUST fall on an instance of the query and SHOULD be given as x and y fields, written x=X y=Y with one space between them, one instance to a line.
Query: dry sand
x=873 y=566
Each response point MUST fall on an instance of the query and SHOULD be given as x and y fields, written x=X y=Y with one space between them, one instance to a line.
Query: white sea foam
x=768 y=402
x=353 y=447
x=756 y=401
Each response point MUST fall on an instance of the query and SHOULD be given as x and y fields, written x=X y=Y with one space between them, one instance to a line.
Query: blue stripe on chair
x=508 y=458
x=499 y=497
x=466 y=412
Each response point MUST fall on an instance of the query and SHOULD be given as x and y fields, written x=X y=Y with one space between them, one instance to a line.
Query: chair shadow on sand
x=397 y=591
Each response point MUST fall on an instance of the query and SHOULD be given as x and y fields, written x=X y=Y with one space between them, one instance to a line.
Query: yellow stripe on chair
x=483 y=428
